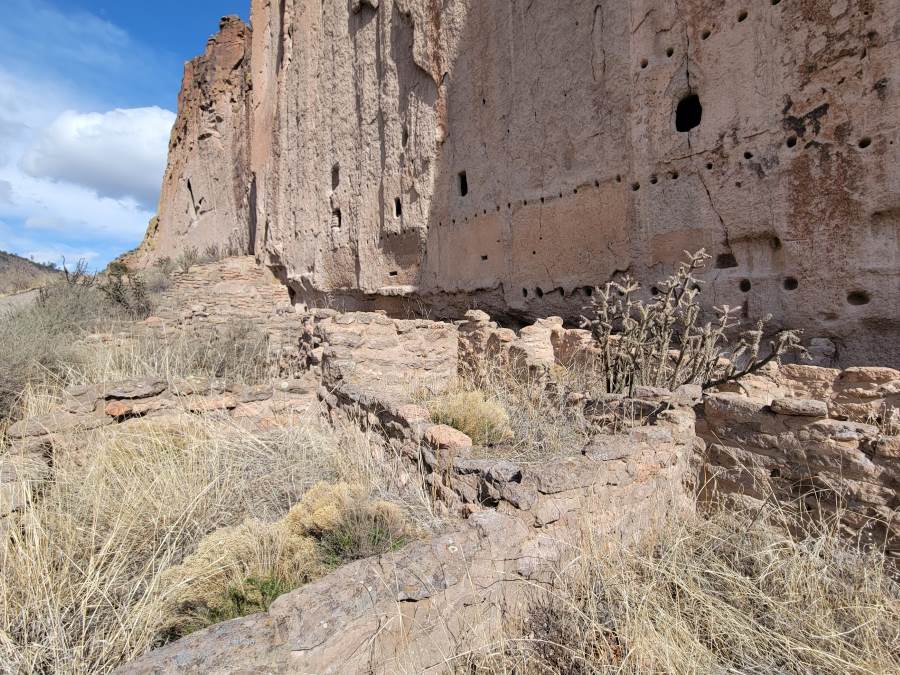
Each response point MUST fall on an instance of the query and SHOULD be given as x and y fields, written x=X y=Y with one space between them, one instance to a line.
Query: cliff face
x=513 y=154
x=204 y=193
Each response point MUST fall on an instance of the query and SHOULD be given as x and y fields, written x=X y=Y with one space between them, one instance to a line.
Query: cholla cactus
x=664 y=344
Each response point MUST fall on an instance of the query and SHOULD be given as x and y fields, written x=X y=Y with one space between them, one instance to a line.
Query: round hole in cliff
x=858 y=298
x=776 y=472
x=748 y=155
x=674 y=175
x=508 y=205
x=776 y=243
x=644 y=63
x=669 y=52
x=709 y=166
x=542 y=200
x=865 y=142
x=775 y=2
x=745 y=285
x=404 y=136
x=575 y=191
x=737 y=183
x=688 y=113
x=596 y=183
x=654 y=291
x=791 y=284
x=539 y=292
x=653 y=180
x=589 y=291
x=524 y=202
x=635 y=186
x=791 y=142
x=618 y=178
x=704 y=35
x=524 y=292
x=742 y=15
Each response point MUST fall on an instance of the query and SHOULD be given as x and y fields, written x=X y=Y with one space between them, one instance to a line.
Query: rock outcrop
x=204 y=199
x=514 y=155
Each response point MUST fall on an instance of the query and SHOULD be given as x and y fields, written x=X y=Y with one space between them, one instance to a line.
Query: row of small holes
x=791 y=142
x=670 y=51
x=789 y=284
x=539 y=292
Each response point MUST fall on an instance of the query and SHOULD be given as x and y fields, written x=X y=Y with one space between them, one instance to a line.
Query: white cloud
x=117 y=154
x=71 y=210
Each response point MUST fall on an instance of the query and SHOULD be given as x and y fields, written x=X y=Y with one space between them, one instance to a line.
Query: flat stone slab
x=800 y=407
x=54 y=423
x=141 y=388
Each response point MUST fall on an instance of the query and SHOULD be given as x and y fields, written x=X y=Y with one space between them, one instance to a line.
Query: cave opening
x=688 y=113
x=463 y=184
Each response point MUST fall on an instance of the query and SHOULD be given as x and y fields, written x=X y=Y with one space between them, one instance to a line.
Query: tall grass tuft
x=87 y=580
x=729 y=594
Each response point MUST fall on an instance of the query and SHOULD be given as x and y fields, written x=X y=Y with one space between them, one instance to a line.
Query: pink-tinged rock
x=444 y=437
x=121 y=409
x=203 y=405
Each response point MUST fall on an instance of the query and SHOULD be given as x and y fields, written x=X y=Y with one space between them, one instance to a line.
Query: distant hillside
x=19 y=274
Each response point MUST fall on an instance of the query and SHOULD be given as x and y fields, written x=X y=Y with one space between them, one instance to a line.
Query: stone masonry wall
x=234 y=293
x=822 y=439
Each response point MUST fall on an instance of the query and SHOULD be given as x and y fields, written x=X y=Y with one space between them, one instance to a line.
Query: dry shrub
x=38 y=340
x=484 y=420
x=232 y=569
x=82 y=584
x=727 y=594
x=666 y=342
x=189 y=256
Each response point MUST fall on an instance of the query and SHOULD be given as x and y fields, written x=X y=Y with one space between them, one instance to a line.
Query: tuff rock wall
x=511 y=155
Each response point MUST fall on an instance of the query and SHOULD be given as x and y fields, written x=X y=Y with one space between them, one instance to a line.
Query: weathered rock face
x=513 y=154
x=204 y=193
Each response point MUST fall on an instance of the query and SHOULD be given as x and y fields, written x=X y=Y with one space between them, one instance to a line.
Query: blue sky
x=88 y=91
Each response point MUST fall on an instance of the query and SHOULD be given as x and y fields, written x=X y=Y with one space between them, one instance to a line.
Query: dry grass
x=236 y=353
x=730 y=594
x=38 y=341
x=485 y=421
x=43 y=349
x=239 y=570
x=83 y=587
x=517 y=416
